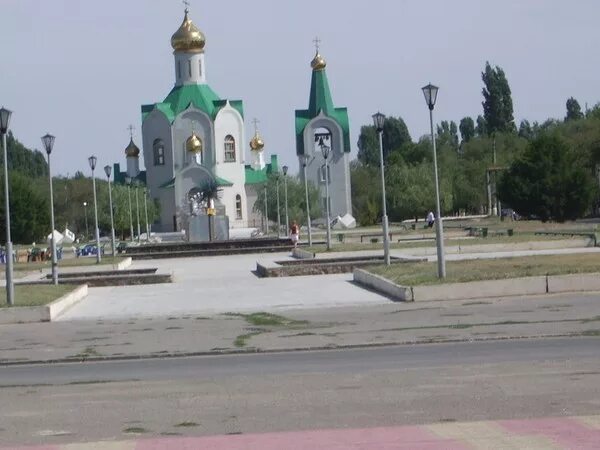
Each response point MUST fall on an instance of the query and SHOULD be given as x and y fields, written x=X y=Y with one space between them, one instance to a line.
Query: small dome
x=132 y=150
x=188 y=38
x=193 y=144
x=318 y=62
x=257 y=144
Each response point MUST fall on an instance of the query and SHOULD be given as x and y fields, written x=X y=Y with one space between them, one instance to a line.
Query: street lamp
x=430 y=91
x=107 y=171
x=128 y=182
x=48 y=141
x=379 y=121
x=146 y=213
x=304 y=160
x=137 y=208
x=87 y=231
x=266 y=212
x=325 y=149
x=287 y=217
x=10 y=289
x=93 y=160
x=278 y=212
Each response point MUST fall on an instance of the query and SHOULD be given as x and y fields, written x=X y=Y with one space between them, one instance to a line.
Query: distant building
x=322 y=124
x=193 y=137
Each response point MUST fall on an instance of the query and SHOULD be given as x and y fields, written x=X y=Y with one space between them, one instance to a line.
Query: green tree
x=29 y=211
x=548 y=182
x=497 y=104
x=395 y=138
x=467 y=129
x=573 y=110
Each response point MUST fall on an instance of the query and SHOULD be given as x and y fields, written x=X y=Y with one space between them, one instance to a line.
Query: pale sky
x=81 y=69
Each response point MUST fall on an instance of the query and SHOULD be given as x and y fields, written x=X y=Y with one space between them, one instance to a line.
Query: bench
x=373 y=236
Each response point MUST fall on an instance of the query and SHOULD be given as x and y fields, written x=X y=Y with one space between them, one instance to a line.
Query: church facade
x=324 y=126
x=194 y=139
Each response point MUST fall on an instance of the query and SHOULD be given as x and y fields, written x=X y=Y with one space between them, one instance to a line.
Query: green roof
x=260 y=176
x=321 y=101
x=200 y=96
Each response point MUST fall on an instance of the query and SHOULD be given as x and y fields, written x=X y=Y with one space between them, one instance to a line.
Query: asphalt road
x=263 y=393
x=333 y=361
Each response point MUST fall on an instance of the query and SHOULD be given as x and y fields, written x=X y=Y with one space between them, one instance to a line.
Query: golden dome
x=132 y=150
x=257 y=144
x=318 y=62
x=193 y=144
x=188 y=38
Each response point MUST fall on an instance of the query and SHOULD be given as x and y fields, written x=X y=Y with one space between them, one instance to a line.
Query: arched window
x=229 y=148
x=238 y=207
x=158 y=148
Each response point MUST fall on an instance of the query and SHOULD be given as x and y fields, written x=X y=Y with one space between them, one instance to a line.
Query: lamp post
x=146 y=214
x=137 y=209
x=278 y=212
x=266 y=212
x=93 y=160
x=107 y=171
x=379 y=121
x=304 y=159
x=87 y=231
x=430 y=91
x=10 y=289
x=48 y=141
x=325 y=149
x=128 y=182
x=287 y=217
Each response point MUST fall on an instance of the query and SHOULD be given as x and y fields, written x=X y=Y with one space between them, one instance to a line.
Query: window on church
x=159 y=152
x=322 y=176
x=238 y=207
x=229 y=148
x=190 y=68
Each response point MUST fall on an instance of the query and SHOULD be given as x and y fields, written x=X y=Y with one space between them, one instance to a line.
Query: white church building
x=194 y=137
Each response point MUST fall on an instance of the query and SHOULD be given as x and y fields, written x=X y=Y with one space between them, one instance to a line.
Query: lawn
x=466 y=241
x=36 y=295
x=488 y=269
x=67 y=262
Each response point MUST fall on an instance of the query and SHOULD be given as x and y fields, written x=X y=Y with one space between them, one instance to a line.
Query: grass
x=66 y=262
x=36 y=295
x=425 y=273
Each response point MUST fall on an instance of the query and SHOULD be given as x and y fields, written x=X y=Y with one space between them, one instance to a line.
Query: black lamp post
x=48 y=141
x=430 y=92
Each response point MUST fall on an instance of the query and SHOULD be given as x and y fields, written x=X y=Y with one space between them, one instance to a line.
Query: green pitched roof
x=260 y=176
x=321 y=101
x=199 y=95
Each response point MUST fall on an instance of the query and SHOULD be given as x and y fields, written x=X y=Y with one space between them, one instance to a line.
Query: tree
x=29 y=211
x=497 y=104
x=467 y=129
x=573 y=110
x=395 y=138
x=548 y=182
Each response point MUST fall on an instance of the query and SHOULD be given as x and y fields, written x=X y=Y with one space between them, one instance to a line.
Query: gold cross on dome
x=255 y=121
x=317 y=42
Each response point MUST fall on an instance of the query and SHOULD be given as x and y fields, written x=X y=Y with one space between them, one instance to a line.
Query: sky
x=81 y=69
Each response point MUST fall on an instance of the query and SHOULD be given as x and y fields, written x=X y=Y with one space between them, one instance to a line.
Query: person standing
x=295 y=233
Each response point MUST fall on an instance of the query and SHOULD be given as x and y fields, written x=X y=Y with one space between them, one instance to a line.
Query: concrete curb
x=539 y=285
x=298 y=253
x=383 y=285
x=253 y=351
x=46 y=313
x=123 y=264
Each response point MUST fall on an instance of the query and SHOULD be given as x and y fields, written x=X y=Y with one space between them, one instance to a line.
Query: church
x=193 y=139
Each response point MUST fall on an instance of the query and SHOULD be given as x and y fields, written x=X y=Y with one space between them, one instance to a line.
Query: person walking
x=295 y=233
